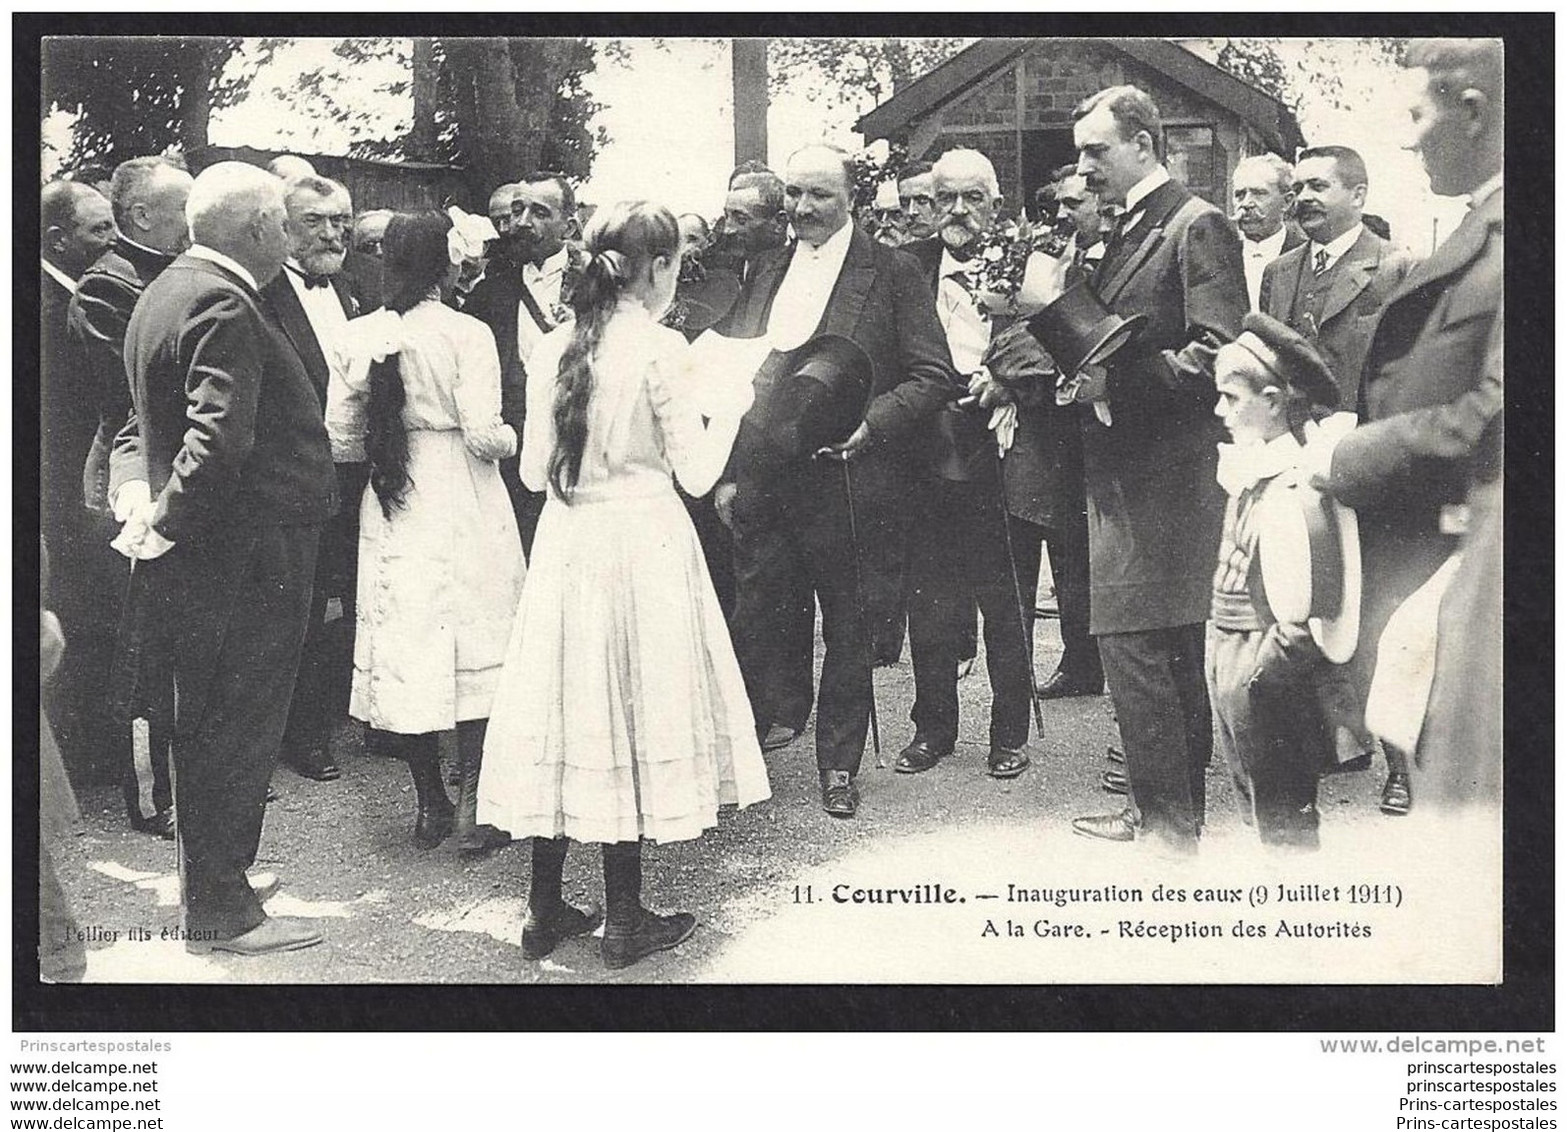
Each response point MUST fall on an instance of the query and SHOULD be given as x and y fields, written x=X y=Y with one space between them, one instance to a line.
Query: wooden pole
x=750 y=98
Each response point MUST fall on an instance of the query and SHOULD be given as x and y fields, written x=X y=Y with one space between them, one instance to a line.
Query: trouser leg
x=1007 y=653
x=1067 y=543
x=940 y=600
x=770 y=583
x=1146 y=672
x=237 y=650
x=306 y=730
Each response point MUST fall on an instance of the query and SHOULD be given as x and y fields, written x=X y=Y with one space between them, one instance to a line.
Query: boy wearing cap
x=1285 y=594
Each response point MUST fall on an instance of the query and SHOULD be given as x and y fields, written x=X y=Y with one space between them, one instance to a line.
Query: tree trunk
x=424 y=91
x=749 y=83
x=538 y=65
x=489 y=119
x=207 y=57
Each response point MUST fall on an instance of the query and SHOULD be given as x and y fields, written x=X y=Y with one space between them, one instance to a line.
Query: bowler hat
x=820 y=395
x=1078 y=328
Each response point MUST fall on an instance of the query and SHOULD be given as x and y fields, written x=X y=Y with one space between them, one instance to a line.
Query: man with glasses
x=312 y=302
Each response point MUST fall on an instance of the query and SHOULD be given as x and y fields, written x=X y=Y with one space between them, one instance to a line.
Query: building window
x=1193 y=157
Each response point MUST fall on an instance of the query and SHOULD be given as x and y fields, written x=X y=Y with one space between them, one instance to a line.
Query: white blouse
x=451 y=379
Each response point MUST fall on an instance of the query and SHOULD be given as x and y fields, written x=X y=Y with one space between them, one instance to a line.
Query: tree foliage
x=498 y=107
x=852 y=71
x=134 y=96
x=1315 y=71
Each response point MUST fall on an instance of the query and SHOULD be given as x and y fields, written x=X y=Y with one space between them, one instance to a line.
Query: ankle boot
x=632 y=932
x=472 y=838
x=433 y=824
x=550 y=919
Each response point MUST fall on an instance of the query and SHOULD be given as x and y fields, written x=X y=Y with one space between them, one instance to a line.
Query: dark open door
x=1043 y=152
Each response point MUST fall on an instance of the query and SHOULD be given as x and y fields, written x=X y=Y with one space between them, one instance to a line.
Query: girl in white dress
x=416 y=391
x=621 y=714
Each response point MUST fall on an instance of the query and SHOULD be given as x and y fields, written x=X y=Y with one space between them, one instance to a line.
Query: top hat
x=1078 y=328
x=702 y=302
x=819 y=396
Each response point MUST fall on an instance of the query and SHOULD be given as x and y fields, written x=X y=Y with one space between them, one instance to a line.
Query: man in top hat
x=1423 y=469
x=792 y=520
x=148 y=195
x=236 y=455
x=960 y=549
x=1285 y=606
x=1263 y=187
x=311 y=301
x=1332 y=286
x=1149 y=447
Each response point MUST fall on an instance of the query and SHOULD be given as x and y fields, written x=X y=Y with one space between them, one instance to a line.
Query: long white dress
x=621 y=713
x=440 y=577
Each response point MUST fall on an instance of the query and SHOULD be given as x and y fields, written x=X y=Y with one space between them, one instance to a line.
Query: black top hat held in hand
x=819 y=396
x=1078 y=328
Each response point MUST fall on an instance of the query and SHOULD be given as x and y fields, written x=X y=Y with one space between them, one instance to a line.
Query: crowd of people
x=1271 y=509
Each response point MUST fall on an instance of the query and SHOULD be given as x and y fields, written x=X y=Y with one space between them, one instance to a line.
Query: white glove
x=132 y=497
x=1003 y=422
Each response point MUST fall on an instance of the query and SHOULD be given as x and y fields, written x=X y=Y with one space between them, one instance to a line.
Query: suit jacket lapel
x=1354 y=274
x=1291 y=281
x=764 y=289
x=854 y=284
x=1456 y=252
x=345 y=300
x=291 y=316
x=1141 y=242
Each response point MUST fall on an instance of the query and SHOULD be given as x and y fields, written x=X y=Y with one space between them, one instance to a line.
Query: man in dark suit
x=522 y=297
x=238 y=462
x=311 y=301
x=792 y=522
x=148 y=195
x=960 y=548
x=1428 y=449
x=1332 y=287
x=1263 y=187
x=76 y=227
x=1150 y=458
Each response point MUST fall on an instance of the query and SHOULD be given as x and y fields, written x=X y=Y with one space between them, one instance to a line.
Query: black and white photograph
x=752 y=510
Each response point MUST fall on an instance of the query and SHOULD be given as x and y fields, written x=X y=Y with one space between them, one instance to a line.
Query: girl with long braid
x=416 y=391
x=621 y=715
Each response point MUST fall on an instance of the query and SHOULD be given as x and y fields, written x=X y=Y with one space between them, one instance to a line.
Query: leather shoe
x=316 y=764
x=543 y=934
x=652 y=933
x=434 y=824
x=1116 y=755
x=272 y=935
x=1004 y=762
x=161 y=824
x=1396 y=798
x=1113 y=781
x=779 y=736
x=264 y=885
x=839 y=797
x=272 y=794
x=920 y=755
x=1107 y=827
x=1061 y=684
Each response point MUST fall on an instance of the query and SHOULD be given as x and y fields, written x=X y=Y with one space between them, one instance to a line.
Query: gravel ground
x=392 y=913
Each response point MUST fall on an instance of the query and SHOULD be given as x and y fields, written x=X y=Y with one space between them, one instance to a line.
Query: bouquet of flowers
x=1018 y=268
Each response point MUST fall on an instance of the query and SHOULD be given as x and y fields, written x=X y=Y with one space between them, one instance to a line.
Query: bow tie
x=311 y=282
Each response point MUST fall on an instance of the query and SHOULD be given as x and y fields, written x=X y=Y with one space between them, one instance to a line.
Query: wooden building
x=1012 y=99
x=403 y=186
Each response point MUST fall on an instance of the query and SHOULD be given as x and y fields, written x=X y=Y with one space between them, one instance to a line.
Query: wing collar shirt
x=1484 y=191
x=322 y=306
x=543 y=282
x=1336 y=248
x=1141 y=192
x=1260 y=253
x=807 y=285
x=967 y=330
x=212 y=255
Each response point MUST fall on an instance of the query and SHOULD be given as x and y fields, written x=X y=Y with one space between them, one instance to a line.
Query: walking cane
x=860 y=608
x=1017 y=592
